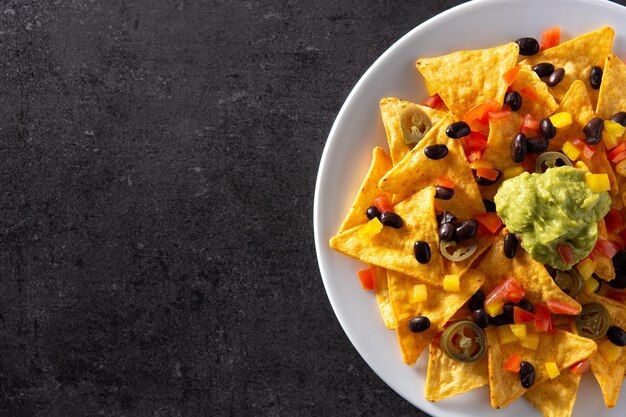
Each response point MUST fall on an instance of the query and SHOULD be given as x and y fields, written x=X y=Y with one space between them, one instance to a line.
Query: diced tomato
x=614 y=220
x=510 y=289
x=510 y=75
x=543 y=320
x=490 y=220
x=445 y=182
x=607 y=248
x=617 y=296
x=550 y=37
x=512 y=364
x=383 y=204
x=476 y=141
x=480 y=111
x=499 y=114
x=367 y=279
x=480 y=127
x=594 y=254
x=619 y=157
x=578 y=142
x=529 y=92
x=567 y=253
x=587 y=150
x=433 y=101
x=490 y=174
x=580 y=367
x=616 y=151
x=522 y=316
x=529 y=162
x=558 y=307
x=529 y=123
x=475 y=156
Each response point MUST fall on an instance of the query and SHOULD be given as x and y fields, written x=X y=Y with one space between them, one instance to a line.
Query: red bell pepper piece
x=383 y=204
x=550 y=37
x=367 y=279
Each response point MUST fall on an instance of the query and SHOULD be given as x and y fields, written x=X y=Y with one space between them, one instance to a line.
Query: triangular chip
x=439 y=308
x=501 y=134
x=382 y=296
x=391 y=110
x=556 y=397
x=604 y=265
x=532 y=275
x=562 y=348
x=417 y=171
x=576 y=56
x=483 y=243
x=544 y=105
x=368 y=191
x=611 y=98
x=394 y=248
x=448 y=377
x=465 y=78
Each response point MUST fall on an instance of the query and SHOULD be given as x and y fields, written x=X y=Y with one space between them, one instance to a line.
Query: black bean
x=543 y=69
x=444 y=193
x=480 y=317
x=593 y=131
x=514 y=100
x=457 y=130
x=391 y=219
x=510 y=245
x=526 y=374
x=419 y=324
x=527 y=46
x=537 y=145
x=466 y=230
x=619 y=117
x=448 y=217
x=525 y=304
x=476 y=301
x=490 y=206
x=499 y=320
x=519 y=147
x=486 y=182
x=446 y=232
x=619 y=259
x=372 y=212
x=556 y=77
x=436 y=151
x=547 y=129
x=508 y=311
x=619 y=282
x=595 y=77
x=617 y=336
x=422 y=251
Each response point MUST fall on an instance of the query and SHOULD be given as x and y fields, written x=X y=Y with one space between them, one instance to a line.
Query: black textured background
x=158 y=162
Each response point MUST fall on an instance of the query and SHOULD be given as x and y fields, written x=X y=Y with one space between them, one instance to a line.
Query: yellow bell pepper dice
x=561 y=119
x=481 y=164
x=531 y=341
x=495 y=308
x=570 y=150
x=419 y=294
x=614 y=128
x=519 y=330
x=452 y=283
x=371 y=229
x=591 y=285
x=598 y=182
x=552 y=369
x=506 y=335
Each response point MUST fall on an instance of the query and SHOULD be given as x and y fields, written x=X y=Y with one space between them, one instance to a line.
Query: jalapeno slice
x=460 y=253
x=570 y=282
x=593 y=321
x=464 y=341
x=415 y=123
x=550 y=160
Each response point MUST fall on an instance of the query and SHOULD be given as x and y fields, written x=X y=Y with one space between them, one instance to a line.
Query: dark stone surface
x=158 y=167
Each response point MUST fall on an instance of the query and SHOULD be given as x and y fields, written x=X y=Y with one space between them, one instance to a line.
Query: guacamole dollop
x=550 y=209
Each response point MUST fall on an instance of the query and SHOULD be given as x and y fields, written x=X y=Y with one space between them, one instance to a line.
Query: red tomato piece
x=617 y=296
x=529 y=123
x=479 y=111
x=558 y=307
x=607 y=248
x=433 y=101
x=490 y=174
x=616 y=150
x=502 y=114
x=588 y=151
x=512 y=364
x=567 y=253
x=543 y=320
x=550 y=37
x=475 y=156
x=383 y=204
x=580 y=367
x=510 y=289
x=529 y=92
x=367 y=279
x=444 y=182
x=522 y=316
x=491 y=221
x=510 y=75
x=476 y=141
x=614 y=220
x=619 y=157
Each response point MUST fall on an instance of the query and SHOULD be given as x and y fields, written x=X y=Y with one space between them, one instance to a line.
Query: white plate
x=358 y=128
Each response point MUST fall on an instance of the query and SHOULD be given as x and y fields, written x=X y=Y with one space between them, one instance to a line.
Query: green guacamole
x=553 y=208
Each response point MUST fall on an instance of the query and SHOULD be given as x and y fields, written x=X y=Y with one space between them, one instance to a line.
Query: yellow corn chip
x=393 y=248
x=483 y=243
x=611 y=98
x=448 y=377
x=555 y=398
x=576 y=56
x=439 y=308
x=466 y=78
x=368 y=191
x=417 y=171
x=501 y=134
x=382 y=296
x=563 y=348
x=532 y=275
x=544 y=105
x=390 y=110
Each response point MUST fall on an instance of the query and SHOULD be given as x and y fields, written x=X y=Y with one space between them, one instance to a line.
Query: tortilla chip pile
x=471 y=86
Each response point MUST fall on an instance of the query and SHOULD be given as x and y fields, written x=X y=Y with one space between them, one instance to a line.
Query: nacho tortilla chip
x=501 y=134
x=393 y=248
x=390 y=110
x=545 y=104
x=368 y=191
x=556 y=397
x=611 y=98
x=382 y=297
x=448 y=377
x=577 y=56
x=483 y=243
x=439 y=308
x=563 y=348
x=466 y=78
x=417 y=171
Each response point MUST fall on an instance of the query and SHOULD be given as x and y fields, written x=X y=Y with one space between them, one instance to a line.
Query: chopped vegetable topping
x=367 y=279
